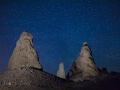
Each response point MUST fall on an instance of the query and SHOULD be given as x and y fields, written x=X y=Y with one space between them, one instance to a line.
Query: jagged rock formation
x=84 y=67
x=24 y=54
x=61 y=71
x=24 y=72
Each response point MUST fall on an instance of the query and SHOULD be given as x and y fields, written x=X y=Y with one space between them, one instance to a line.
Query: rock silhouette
x=24 y=54
x=61 y=71
x=103 y=71
x=84 y=66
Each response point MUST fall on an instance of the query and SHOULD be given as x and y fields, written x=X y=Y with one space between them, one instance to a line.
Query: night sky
x=59 y=28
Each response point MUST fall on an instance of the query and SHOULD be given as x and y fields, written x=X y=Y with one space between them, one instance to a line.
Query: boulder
x=24 y=54
x=84 y=66
x=103 y=71
x=61 y=71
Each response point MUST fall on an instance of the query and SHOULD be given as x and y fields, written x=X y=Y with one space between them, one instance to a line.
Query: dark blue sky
x=59 y=28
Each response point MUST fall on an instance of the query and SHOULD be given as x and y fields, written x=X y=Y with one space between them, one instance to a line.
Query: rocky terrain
x=31 y=76
x=32 y=79
x=26 y=73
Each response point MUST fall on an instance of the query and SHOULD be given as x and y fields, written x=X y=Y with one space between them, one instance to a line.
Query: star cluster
x=59 y=28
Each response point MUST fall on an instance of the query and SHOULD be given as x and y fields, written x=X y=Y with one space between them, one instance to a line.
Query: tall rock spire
x=61 y=71
x=84 y=66
x=24 y=54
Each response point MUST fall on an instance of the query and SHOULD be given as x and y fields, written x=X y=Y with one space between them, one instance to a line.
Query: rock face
x=61 y=71
x=84 y=67
x=24 y=54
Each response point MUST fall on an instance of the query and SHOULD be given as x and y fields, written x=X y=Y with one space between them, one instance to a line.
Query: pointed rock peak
x=24 y=54
x=61 y=71
x=25 y=33
x=84 y=66
x=85 y=44
x=85 y=50
x=61 y=64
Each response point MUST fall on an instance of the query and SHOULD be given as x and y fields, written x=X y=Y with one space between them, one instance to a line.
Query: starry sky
x=59 y=28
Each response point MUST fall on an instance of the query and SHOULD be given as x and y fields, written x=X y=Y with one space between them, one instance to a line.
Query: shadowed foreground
x=33 y=79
